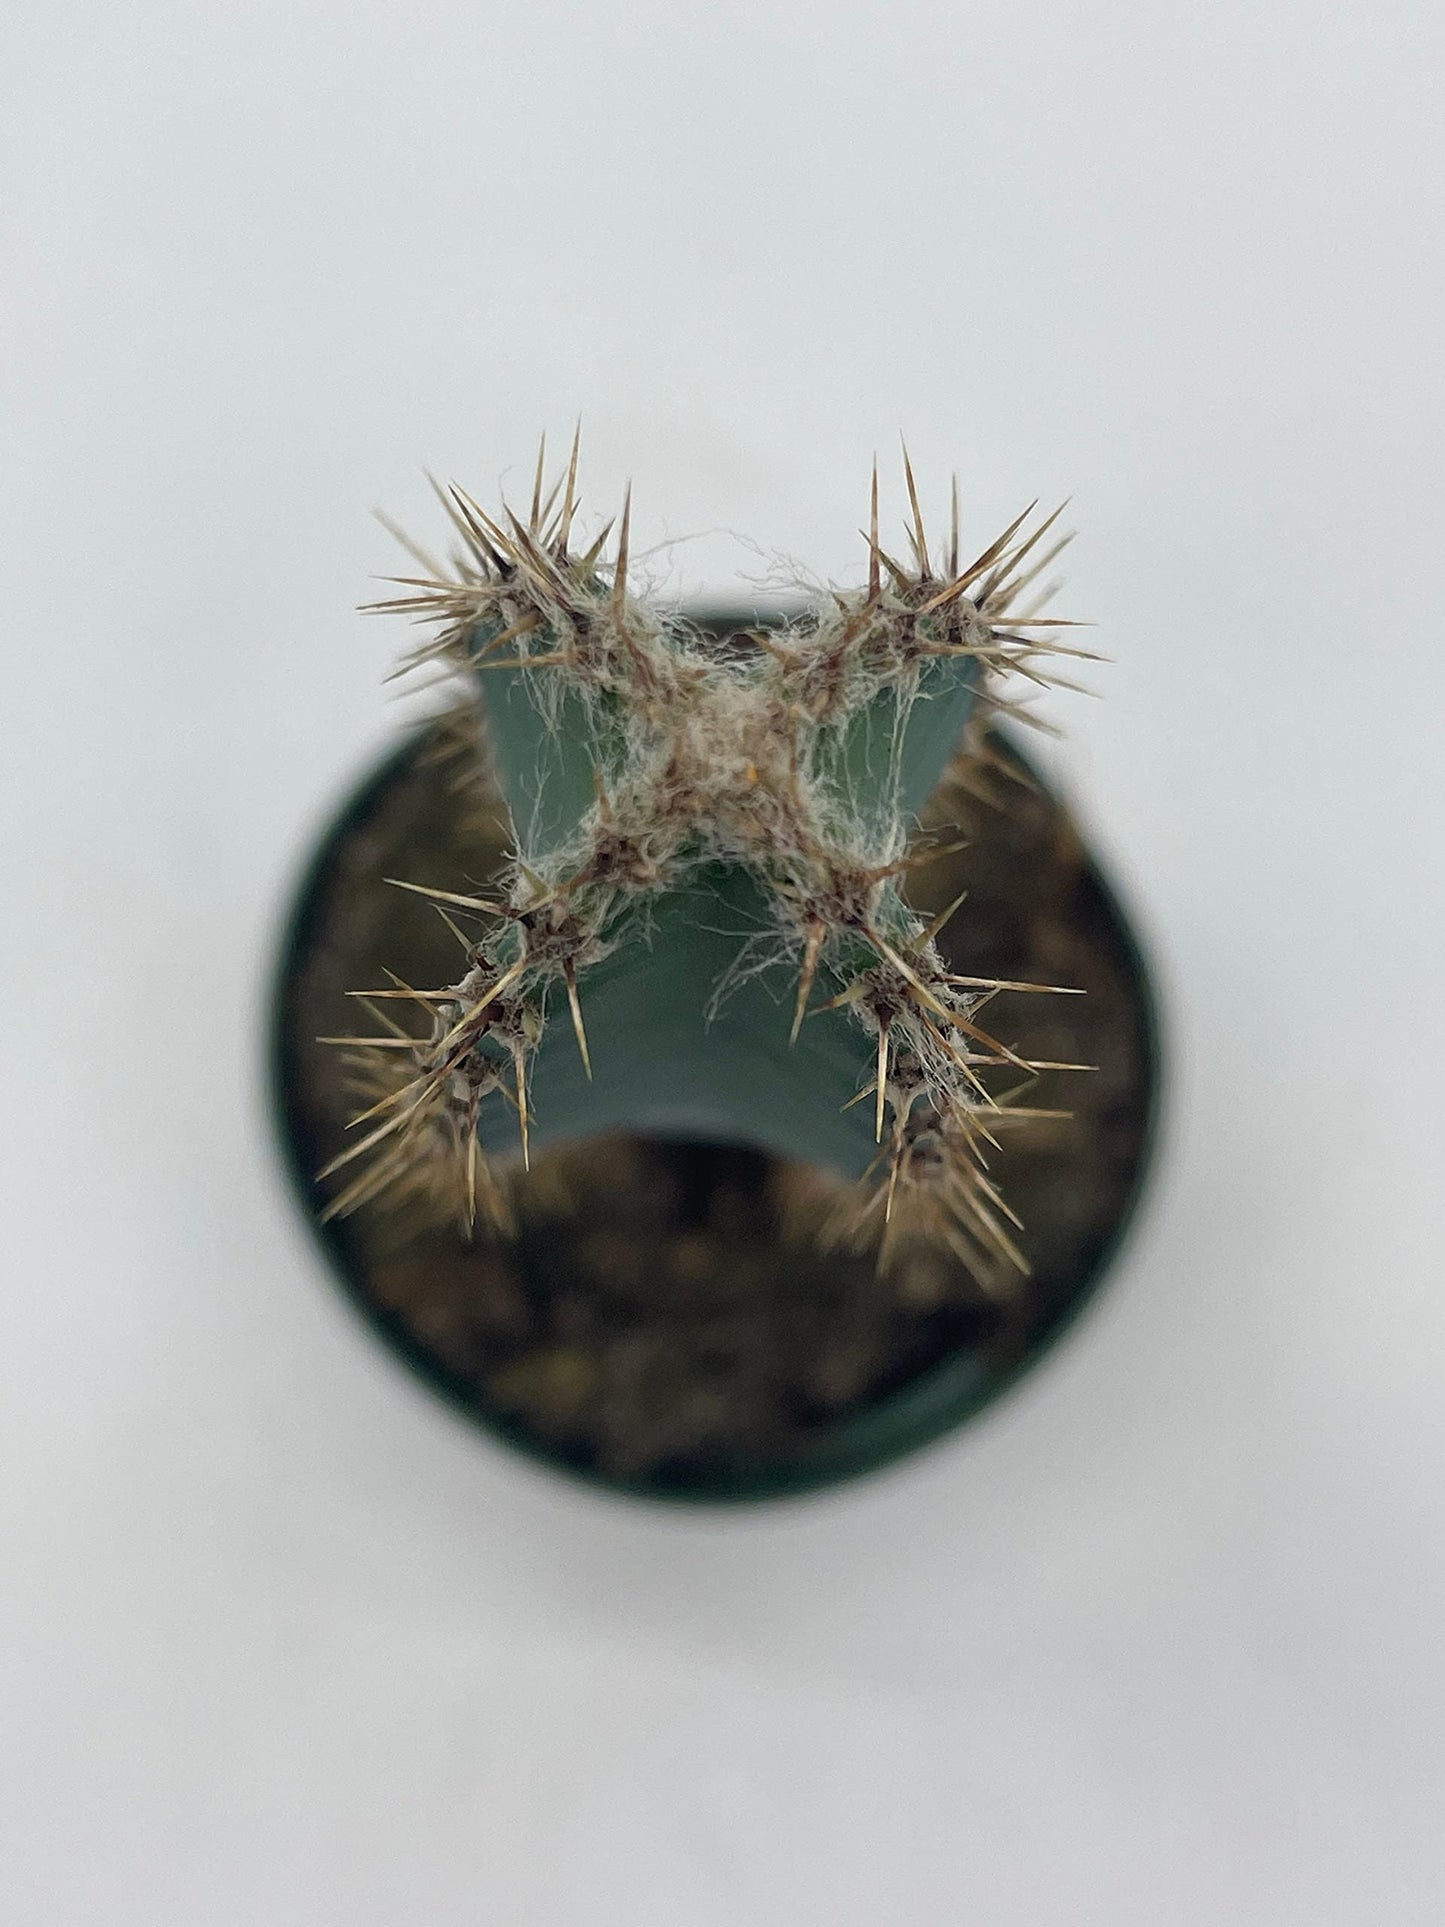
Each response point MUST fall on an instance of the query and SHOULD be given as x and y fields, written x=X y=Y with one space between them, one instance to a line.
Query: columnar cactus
x=701 y=931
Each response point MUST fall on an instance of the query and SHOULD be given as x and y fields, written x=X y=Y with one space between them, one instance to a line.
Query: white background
x=1158 y=1642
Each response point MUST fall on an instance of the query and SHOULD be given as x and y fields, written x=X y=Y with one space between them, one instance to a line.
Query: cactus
x=701 y=931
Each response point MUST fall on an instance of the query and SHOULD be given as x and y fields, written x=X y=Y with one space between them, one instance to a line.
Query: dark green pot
x=952 y=1388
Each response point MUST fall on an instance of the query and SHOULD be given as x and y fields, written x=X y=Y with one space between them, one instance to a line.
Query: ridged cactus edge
x=701 y=931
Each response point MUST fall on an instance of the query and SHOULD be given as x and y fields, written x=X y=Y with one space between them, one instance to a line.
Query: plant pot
x=517 y=1338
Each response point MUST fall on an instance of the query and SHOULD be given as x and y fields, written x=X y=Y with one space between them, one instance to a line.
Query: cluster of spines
x=700 y=757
